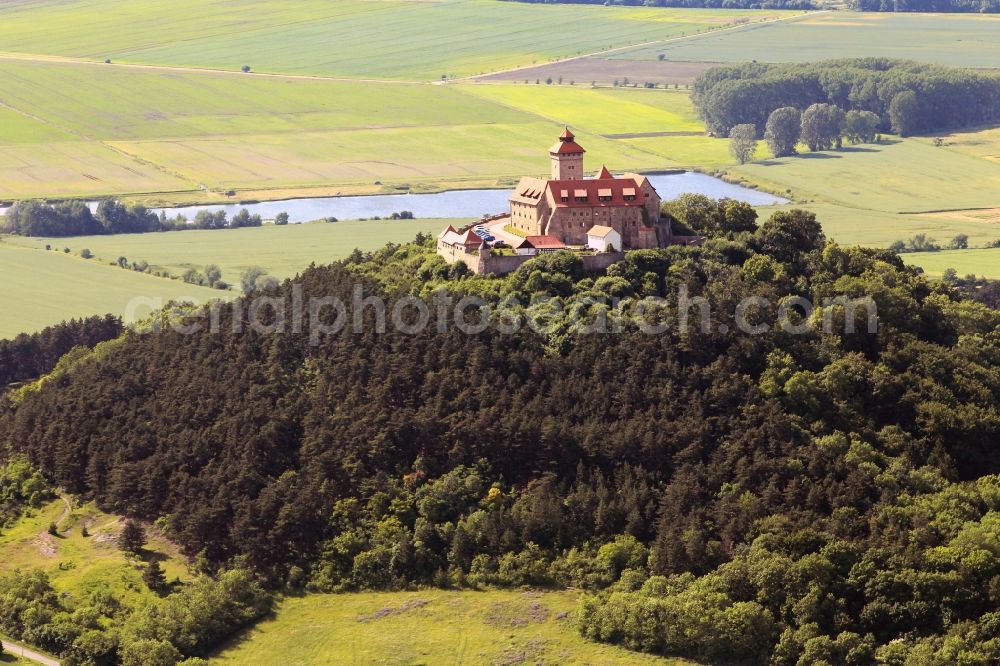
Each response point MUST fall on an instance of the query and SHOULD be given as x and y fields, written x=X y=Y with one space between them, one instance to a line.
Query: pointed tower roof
x=567 y=145
x=605 y=174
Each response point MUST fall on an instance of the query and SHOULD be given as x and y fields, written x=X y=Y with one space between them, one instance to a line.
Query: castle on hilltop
x=599 y=217
x=568 y=206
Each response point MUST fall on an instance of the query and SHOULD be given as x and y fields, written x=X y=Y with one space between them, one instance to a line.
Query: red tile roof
x=604 y=173
x=567 y=148
x=545 y=242
x=567 y=145
x=612 y=190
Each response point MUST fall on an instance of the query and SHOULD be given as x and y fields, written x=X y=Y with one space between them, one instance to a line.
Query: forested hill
x=762 y=498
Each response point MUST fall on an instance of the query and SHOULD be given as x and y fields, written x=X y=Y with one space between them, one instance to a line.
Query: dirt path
x=25 y=653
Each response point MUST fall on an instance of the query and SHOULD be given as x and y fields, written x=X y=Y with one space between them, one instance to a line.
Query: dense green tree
x=823 y=127
x=132 y=538
x=904 y=113
x=743 y=142
x=861 y=126
x=784 y=127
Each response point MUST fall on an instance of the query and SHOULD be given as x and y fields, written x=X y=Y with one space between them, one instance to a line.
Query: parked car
x=489 y=239
x=500 y=244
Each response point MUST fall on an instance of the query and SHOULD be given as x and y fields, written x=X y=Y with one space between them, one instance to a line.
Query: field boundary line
x=668 y=40
x=66 y=60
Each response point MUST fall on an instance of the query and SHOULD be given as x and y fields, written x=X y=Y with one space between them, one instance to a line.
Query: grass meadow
x=44 y=288
x=980 y=262
x=79 y=565
x=443 y=628
x=968 y=40
x=282 y=250
x=374 y=39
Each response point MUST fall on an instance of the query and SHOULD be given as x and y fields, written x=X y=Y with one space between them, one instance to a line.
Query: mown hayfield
x=895 y=177
x=117 y=103
x=442 y=628
x=154 y=132
x=980 y=262
x=689 y=151
x=948 y=39
x=373 y=39
x=983 y=143
x=853 y=226
x=79 y=565
x=44 y=288
x=78 y=169
x=394 y=155
x=283 y=251
x=597 y=110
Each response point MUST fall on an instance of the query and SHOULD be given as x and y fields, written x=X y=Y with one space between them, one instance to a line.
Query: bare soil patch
x=603 y=71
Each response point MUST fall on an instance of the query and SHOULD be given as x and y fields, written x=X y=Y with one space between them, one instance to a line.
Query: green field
x=372 y=39
x=283 y=251
x=44 y=288
x=598 y=110
x=92 y=130
x=948 y=39
x=981 y=262
x=868 y=194
x=428 y=627
x=79 y=565
x=895 y=177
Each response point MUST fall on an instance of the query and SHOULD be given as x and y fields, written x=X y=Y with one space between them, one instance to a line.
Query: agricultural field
x=437 y=627
x=189 y=136
x=424 y=155
x=877 y=194
x=283 y=251
x=375 y=39
x=604 y=111
x=981 y=262
x=968 y=40
x=79 y=565
x=44 y=288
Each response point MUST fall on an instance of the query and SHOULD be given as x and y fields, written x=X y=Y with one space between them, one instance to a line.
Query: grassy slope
x=982 y=262
x=947 y=39
x=861 y=193
x=430 y=627
x=43 y=288
x=79 y=565
x=378 y=38
x=283 y=251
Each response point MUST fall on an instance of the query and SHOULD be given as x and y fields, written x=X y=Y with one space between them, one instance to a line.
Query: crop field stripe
x=397 y=40
x=971 y=40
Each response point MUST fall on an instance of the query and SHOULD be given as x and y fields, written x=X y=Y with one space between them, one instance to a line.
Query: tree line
x=942 y=6
x=907 y=97
x=773 y=498
x=74 y=218
x=709 y=4
x=31 y=355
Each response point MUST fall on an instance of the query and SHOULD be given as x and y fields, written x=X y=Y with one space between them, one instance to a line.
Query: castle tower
x=567 y=158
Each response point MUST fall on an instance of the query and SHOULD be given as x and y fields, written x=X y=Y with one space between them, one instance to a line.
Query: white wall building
x=601 y=239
